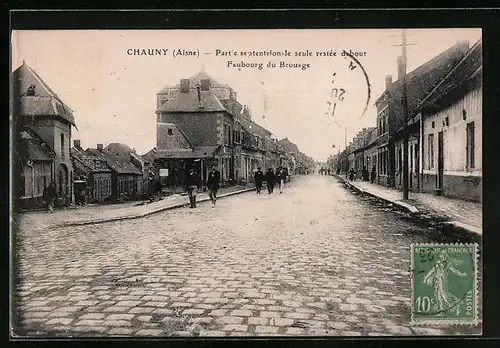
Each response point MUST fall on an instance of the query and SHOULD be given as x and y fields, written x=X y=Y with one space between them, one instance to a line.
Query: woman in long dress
x=437 y=277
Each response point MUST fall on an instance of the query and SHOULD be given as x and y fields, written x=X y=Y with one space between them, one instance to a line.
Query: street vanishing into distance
x=316 y=260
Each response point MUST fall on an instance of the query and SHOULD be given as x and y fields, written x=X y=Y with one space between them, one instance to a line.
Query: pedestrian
x=365 y=174
x=352 y=175
x=258 y=178
x=280 y=176
x=374 y=173
x=270 y=178
x=192 y=187
x=50 y=196
x=213 y=182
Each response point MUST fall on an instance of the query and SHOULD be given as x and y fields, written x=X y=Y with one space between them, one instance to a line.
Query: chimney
x=99 y=147
x=401 y=68
x=184 y=85
x=463 y=45
x=205 y=84
x=77 y=144
x=388 y=81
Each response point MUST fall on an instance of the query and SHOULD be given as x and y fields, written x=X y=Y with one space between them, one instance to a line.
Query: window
x=226 y=134
x=170 y=132
x=31 y=92
x=470 y=146
x=430 y=151
x=62 y=147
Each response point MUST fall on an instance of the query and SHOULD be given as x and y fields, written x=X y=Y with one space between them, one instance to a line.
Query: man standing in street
x=50 y=196
x=280 y=175
x=270 y=178
x=213 y=182
x=192 y=187
x=374 y=173
x=258 y=178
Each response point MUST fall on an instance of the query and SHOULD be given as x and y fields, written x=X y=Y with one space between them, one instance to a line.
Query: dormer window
x=31 y=91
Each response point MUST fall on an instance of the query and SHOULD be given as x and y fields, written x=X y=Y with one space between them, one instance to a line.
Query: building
x=390 y=115
x=124 y=154
x=126 y=179
x=451 y=131
x=42 y=124
x=34 y=168
x=92 y=176
x=200 y=123
x=371 y=149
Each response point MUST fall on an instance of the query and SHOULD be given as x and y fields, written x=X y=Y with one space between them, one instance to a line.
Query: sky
x=113 y=94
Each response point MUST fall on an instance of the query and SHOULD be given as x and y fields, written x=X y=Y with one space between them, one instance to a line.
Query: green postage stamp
x=444 y=284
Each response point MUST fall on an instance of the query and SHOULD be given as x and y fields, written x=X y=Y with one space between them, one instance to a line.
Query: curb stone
x=154 y=211
x=405 y=206
x=414 y=211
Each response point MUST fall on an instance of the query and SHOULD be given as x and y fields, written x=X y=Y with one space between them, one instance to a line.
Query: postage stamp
x=444 y=284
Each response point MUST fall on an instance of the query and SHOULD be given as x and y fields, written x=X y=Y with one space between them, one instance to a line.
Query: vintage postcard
x=219 y=183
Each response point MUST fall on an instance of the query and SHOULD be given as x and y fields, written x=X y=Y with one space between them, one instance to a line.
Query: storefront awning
x=199 y=152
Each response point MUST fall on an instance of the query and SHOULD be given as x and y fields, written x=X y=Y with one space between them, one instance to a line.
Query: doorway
x=62 y=184
x=440 y=161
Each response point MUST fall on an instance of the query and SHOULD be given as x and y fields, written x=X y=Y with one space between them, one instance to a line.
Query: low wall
x=467 y=188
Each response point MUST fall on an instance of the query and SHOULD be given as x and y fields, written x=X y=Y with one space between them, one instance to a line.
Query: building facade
x=451 y=132
x=200 y=123
x=93 y=178
x=36 y=107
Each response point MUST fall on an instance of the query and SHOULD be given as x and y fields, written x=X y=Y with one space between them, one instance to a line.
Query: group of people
x=271 y=178
x=365 y=175
x=213 y=183
x=324 y=171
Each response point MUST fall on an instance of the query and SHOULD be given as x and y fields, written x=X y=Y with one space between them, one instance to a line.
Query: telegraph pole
x=405 y=114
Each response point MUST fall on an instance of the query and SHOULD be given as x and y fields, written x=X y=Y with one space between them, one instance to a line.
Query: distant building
x=126 y=178
x=200 y=123
x=92 y=176
x=42 y=125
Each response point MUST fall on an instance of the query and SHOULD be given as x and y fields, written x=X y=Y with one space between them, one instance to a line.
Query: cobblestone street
x=317 y=260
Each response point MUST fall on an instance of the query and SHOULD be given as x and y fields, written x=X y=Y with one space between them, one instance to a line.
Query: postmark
x=444 y=284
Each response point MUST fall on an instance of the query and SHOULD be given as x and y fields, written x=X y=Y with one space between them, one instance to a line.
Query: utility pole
x=405 y=114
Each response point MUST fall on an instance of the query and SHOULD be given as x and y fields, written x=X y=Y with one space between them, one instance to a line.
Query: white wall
x=455 y=135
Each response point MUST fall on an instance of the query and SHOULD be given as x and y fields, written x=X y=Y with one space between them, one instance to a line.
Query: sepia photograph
x=246 y=183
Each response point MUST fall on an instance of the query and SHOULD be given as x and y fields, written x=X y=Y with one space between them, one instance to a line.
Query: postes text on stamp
x=444 y=284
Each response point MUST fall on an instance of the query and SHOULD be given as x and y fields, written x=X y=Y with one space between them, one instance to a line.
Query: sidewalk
x=114 y=212
x=461 y=214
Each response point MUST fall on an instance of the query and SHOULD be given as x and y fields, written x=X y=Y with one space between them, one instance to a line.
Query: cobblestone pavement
x=316 y=260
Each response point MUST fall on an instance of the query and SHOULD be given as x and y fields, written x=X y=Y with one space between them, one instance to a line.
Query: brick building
x=199 y=123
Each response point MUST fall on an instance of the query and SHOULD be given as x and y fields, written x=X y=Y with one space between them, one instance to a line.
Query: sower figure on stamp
x=270 y=179
x=437 y=277
x=213 y=182
x=258 y=178
x=192 y=187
